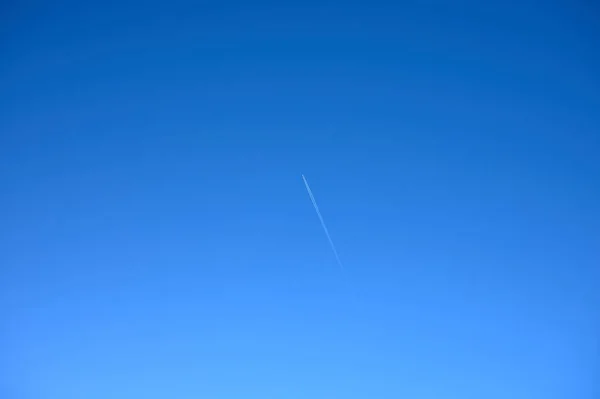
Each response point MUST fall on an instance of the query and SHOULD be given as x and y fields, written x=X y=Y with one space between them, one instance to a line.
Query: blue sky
x=157 y=239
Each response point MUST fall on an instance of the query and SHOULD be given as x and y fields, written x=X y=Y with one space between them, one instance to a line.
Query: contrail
x=312 y=198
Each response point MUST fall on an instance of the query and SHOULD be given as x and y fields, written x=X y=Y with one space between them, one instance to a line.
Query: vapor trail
x=312 y=198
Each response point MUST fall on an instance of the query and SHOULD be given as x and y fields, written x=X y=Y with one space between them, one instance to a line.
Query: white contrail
x=312 y=198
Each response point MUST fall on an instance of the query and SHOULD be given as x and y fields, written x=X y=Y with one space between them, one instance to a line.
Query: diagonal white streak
x=314 y=202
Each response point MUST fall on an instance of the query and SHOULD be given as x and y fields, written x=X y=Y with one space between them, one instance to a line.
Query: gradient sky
x=157 y=241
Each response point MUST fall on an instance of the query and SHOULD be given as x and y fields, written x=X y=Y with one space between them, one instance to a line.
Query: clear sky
x=157 y=240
